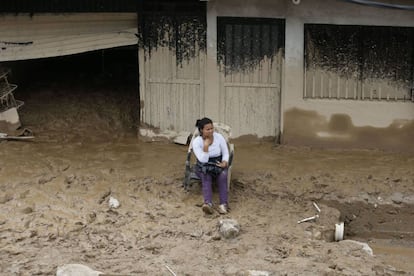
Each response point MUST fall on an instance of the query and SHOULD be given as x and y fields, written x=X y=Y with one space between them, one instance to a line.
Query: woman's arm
x=198 y=148
x=224 y=151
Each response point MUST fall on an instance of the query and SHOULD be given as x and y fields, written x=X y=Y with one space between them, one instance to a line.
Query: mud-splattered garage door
x=25 y=36
x=250 y=52
x=172 y=65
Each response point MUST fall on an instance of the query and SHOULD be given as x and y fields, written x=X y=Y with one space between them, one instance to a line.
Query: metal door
x=172 y=73
x=250 y=51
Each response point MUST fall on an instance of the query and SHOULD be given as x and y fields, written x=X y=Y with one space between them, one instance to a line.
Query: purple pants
x=207 y=182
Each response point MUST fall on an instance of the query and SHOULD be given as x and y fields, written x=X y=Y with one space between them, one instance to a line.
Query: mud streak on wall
x=309 y=128
x=362 y=52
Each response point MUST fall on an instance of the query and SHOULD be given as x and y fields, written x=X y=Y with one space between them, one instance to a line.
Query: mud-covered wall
x=371 y=62
x=249 y=55
x=363 y=51
x=304 y=127
x=347 y=122
x=178 y=25
x=172 y=44
x=162 y=23
x=242 y=46
x=334 y=122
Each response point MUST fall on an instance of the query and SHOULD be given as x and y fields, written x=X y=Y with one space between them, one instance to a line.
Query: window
x=359 y=62
x=243 y=43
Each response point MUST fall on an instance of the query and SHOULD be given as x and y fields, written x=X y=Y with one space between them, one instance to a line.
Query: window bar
x=305 y=83
x=338 y=88
x=329 y=87
x=321 y=92
x=355 y=91
x=379 y=92
x=346 y=89
x=362 y=91
x=313 y=85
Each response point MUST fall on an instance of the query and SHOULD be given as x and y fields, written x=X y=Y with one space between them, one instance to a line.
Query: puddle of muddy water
x=386 y=228
x=399 y=254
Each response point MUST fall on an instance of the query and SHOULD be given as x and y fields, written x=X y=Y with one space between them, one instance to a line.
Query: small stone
x=397 y=198
x=27 y=210
x=91 y=217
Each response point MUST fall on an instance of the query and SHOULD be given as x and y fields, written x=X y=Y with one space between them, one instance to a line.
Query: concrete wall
x=345 y=123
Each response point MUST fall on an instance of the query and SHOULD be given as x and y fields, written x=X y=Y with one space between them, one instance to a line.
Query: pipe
x=381 y=5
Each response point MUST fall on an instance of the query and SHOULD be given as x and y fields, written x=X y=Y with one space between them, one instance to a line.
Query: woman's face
x=207 y=130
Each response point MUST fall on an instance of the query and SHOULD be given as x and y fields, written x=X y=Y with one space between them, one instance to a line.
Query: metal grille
x=359 y=62
x=244 y=42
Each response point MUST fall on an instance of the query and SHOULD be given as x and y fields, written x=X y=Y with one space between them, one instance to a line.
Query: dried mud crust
x=54 y=209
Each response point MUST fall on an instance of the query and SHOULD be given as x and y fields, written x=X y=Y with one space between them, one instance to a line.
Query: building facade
x=302 y=72
x=328 y=73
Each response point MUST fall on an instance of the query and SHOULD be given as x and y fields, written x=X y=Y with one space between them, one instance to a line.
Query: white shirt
x=219 y=147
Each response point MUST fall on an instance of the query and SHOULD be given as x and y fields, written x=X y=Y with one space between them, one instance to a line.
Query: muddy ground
x=54 y=195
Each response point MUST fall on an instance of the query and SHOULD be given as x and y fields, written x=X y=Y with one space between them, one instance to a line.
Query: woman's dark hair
x=202 y=122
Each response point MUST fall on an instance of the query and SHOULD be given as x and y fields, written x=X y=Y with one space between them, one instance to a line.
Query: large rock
x=361 y=245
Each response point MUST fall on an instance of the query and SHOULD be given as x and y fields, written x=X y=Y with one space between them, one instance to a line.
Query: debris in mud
x=170 y=270
x=229 y=228
x=313 y=217
x=76 y=270
x=22 y=134
x=362 y=246
x=7 y=99
x=258 y=273
x=183 y=138
x=308 y=219
x=113 y=202
x=339 y=231
x=317 y=207
x=9 y=117
x=104 y=196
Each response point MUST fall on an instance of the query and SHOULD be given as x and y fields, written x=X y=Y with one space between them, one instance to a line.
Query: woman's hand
x=222 y=164
x=207 y=141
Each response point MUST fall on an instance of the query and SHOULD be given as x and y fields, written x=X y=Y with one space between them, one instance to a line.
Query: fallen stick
x=308 y=219
x=317 y=207
x=170 y=270
x=16 y=137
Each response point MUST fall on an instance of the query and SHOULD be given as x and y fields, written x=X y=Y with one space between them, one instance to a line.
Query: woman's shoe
x=207 y=208
x=222 y=209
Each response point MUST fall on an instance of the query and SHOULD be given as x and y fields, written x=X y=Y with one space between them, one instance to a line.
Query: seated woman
x=212 y=153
